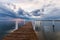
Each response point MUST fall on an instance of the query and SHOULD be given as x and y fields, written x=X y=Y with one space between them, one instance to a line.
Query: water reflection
x=8 y=26
x=51 y=30
x=44 y=29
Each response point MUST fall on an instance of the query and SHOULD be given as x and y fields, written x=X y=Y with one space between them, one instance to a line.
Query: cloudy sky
x=29 y=5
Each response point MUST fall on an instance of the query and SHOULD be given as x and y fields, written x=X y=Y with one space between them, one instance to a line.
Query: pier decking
x=24 y=33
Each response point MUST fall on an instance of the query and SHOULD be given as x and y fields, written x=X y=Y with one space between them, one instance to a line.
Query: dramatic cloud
x=29 y=5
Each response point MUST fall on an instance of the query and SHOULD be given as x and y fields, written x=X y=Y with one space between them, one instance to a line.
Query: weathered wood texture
x=26 y=32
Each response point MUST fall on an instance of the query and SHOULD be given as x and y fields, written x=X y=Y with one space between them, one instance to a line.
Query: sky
x=29 y=5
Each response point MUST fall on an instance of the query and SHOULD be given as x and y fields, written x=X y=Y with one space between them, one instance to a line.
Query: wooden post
x=33 y=23
x=53 y=26
x=16 y=25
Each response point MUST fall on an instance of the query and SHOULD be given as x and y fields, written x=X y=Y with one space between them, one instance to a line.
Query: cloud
x=4 y=1
x=6 y=13
x=32 y=4
x=29 y=5
x=54 y=14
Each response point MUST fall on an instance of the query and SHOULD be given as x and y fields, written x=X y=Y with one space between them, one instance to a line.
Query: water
x=44 y=28
x=6 y=26
x=50 y=32
x=46 y=31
